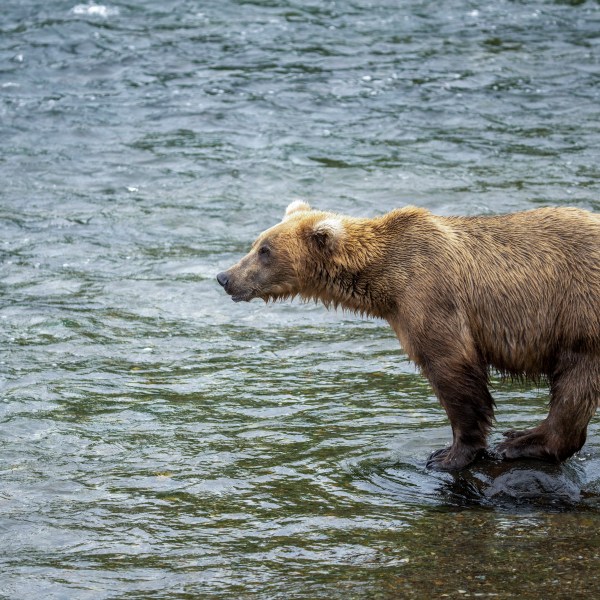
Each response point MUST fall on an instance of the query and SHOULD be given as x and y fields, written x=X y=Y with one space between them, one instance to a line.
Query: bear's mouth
x=245 y=297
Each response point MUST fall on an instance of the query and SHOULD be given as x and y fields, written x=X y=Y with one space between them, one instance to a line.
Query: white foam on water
x=95 y=10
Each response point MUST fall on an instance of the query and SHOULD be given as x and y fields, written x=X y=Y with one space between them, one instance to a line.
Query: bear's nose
x=223 y=279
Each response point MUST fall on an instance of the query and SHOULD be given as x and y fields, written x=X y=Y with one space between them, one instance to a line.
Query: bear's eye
x=264 y=251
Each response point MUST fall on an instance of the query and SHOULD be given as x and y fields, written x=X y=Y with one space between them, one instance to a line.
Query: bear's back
x=530 y=284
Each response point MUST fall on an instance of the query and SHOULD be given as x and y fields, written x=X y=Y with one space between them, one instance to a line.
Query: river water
x=158 y=440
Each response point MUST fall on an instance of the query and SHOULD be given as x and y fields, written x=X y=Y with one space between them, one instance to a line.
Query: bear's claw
x=512 y=434
x=529 y=443
x=452 y=458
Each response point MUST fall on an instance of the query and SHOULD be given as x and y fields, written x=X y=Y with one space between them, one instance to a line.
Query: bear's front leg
x=463 y=392
x=452 y=458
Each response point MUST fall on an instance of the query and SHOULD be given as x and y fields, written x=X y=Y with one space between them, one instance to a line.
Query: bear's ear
x=328 y=232
x=296 y=206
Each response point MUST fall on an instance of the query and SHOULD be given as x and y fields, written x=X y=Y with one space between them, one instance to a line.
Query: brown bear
x=516 y=292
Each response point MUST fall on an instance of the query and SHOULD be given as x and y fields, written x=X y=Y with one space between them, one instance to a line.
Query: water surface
x=157 y=440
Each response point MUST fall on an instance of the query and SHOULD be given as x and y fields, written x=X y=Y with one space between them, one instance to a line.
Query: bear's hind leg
x=515 y=433
x=574 y=395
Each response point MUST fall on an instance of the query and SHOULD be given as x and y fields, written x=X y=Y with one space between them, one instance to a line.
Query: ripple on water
x=95 y=10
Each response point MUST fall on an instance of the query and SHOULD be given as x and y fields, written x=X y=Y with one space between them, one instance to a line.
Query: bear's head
x=292 y=258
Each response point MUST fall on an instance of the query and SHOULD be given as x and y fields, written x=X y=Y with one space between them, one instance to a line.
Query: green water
x=158 y=440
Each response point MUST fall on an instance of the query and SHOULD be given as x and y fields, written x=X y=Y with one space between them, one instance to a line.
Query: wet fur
x=519 y=293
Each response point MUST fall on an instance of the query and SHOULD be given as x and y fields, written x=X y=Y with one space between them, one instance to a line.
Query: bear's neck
x=353 y=291
x=355 y=276
x=368 y=270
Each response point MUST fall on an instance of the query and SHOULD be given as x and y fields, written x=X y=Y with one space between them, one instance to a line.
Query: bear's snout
x=223 y=279
x=231 y=286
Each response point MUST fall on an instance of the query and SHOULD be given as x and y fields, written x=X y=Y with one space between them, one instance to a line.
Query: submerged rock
x=521 y=482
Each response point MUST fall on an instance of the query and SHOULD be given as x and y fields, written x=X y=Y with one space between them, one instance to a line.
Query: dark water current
x=159 y=441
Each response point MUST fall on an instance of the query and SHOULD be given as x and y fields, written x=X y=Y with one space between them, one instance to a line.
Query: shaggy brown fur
x=517 y=292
